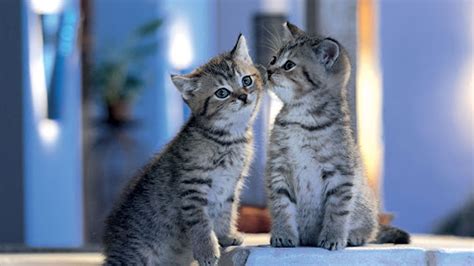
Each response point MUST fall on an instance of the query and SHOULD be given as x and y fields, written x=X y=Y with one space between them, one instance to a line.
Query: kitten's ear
x=327 y=52
x=184 y=84
x=240 y=50
x=291 y=32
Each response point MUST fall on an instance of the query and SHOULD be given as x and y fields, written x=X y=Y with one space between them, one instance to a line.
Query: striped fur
x=184 y=203
x=318 y=195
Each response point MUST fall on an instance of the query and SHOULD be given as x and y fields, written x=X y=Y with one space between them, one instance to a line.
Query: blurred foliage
x=117 y=79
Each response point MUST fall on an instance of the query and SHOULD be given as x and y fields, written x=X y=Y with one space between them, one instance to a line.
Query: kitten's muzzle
x=269 y=73
x=243 y=97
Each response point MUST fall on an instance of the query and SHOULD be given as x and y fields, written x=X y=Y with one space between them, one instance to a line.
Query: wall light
x=49 y=131
x=464 y=101
x=275 y=6
x=39 y=42
x=180 y=47
x=47 y=7
x=180 y=56
x=369 y=93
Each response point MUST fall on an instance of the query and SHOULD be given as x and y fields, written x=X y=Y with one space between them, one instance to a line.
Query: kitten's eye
x=274 y=59
x=289 y=65
x=247 y=81
x=222 y=93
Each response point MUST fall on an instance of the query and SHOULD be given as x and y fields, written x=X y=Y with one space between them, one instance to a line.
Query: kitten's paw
x=207 y=257
x=234 y=239
x=355 y=240
x=207 y=253
x=208 y=261
x=281 y=238
x=332 y=241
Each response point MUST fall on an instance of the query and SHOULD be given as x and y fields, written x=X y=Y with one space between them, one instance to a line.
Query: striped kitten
x=184 y=204
x=316 y=184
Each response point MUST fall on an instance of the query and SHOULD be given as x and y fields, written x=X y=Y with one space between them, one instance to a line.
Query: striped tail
x=390 y=234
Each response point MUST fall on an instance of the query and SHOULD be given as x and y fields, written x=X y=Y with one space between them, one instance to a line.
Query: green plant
x=116 y=79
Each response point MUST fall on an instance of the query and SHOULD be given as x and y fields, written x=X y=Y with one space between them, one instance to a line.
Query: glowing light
x=36 y=68
x=464 y=101
x=369 y=94
x=275 y=107
x=180 y=51
x=48 y=130
x=274 y=6
x=45 y=7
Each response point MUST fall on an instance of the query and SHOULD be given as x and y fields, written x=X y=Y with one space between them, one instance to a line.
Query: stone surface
x=424 y=250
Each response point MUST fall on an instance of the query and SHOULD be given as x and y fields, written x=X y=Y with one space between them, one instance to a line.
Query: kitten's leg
x=338 y=204
x=225 y=223
x=193 y=194
x=282 y=207
x=126 y=254
x=363 y=223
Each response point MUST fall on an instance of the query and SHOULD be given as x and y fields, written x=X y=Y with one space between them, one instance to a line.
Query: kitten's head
x=226 y=90
x=306 y=65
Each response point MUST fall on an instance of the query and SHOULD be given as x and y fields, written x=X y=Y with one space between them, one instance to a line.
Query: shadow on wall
x=459 y=223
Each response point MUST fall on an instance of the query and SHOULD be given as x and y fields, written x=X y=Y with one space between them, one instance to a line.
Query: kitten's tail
x=390 y=234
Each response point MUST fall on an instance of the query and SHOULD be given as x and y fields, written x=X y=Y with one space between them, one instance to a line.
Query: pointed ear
x=240 y=50
x=184 y=84
x=291 y=32
x=327 y=52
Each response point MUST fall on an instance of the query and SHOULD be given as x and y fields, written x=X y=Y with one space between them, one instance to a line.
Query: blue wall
x=427 y=53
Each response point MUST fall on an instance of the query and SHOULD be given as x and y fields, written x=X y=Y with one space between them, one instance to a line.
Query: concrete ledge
x=425 y=250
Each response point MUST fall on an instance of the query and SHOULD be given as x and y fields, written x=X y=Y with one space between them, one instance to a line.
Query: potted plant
x=115 y=78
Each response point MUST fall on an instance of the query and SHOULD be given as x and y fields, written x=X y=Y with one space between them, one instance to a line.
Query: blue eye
x=222 y=93
x=247 y=81
x=289 y=65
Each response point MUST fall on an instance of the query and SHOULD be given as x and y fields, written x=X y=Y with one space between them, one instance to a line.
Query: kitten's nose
x=243 y=97
x=269 y=73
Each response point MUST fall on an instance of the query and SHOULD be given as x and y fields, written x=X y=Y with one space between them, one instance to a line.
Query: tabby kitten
x=318 y=194
x=184 y=204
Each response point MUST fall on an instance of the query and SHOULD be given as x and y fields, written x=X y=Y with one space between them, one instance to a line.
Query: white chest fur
x=225 y=177
x=306 y=170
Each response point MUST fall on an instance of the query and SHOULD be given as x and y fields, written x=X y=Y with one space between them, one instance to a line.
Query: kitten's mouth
x=245 y=104
x=271 y=84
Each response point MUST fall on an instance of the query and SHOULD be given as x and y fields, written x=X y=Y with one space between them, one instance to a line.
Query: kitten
x=318 y=194
x=184 y=204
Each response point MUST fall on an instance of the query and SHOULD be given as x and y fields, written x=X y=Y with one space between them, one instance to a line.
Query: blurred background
x=87 y=101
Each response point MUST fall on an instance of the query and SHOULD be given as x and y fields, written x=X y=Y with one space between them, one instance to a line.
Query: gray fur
x=184 y=203
x=318 y=194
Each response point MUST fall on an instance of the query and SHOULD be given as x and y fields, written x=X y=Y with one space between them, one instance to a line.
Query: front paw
x=234 y=239
x=356 y=239
x=211 y=261
x=332 y=240
x=283 y=238
x=207 y=253
x=207 y=258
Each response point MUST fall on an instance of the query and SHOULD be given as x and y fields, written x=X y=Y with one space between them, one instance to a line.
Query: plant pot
x=118 y=113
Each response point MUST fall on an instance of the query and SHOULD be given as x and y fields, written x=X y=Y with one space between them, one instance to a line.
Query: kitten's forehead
x=296 y=44
x=219 y=65
x=223 y=68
